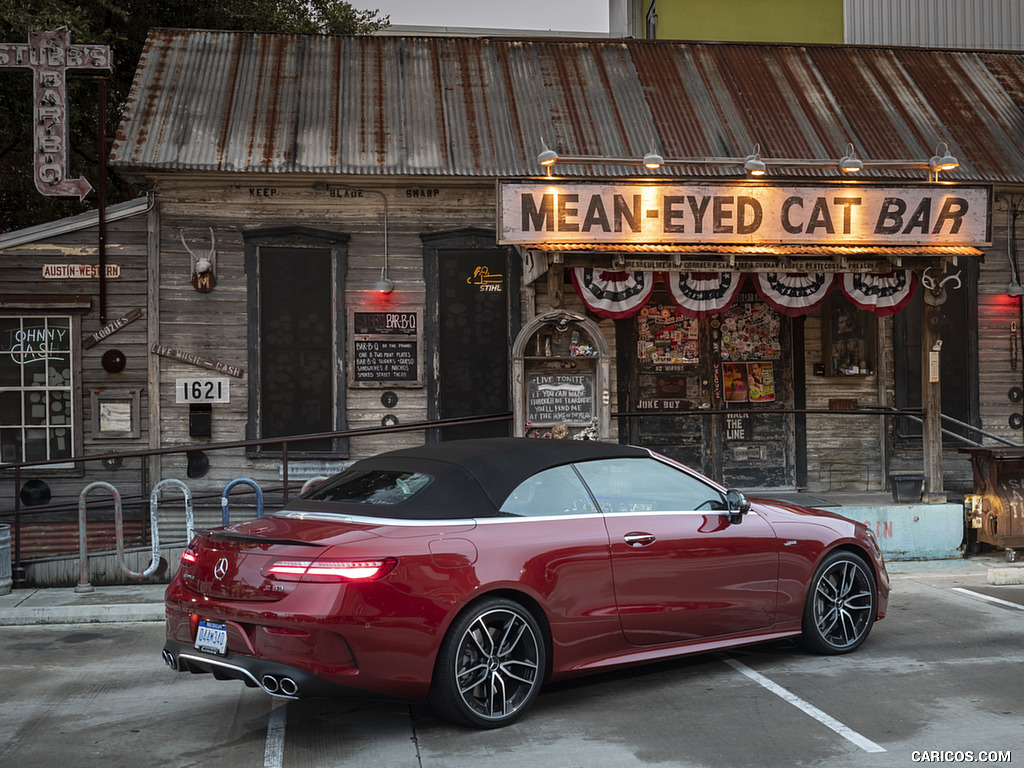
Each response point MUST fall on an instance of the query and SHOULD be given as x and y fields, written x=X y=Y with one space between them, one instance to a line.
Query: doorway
x=472 y=306
x=715 y=393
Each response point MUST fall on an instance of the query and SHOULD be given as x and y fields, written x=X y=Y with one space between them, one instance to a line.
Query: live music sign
x=50 y=55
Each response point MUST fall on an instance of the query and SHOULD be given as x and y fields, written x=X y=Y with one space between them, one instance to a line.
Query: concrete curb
x=96 y=614
x=1006 y=576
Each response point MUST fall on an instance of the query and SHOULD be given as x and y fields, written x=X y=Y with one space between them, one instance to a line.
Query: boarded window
x=296 y=321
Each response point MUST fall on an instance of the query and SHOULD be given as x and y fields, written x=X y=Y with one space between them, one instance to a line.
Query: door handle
x=638 y=539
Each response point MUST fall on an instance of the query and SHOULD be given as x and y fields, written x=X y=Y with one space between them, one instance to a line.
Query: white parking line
x=827 y=720
x=988 y=599
x=273 y=754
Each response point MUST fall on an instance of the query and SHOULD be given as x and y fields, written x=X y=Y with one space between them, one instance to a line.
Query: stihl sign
x=50 y=55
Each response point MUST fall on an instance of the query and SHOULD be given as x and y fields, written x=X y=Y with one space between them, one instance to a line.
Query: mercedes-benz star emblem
x=220 y=570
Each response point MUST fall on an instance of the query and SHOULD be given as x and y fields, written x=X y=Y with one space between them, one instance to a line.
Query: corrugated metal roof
x=52 y=229
x=258 y=103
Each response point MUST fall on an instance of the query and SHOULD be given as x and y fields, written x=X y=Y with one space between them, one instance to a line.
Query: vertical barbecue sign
x=385 y=349
x=50 y=56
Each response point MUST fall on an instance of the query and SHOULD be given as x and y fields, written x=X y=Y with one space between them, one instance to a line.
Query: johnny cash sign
x=666 y=213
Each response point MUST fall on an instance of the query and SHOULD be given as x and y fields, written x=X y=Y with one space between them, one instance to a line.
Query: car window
x=556 y=491
x=647 y=485
x=373 y=486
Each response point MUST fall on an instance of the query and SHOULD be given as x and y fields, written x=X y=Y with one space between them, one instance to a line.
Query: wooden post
x=931 y=403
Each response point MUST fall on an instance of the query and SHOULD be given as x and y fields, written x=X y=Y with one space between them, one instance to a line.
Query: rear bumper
x=280 y=680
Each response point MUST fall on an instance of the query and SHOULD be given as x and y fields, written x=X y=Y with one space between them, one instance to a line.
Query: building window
x=652 y=21
x=36 y=383
x=297 y=319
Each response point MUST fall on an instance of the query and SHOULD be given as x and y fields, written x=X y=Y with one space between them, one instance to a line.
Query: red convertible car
x=468 y=573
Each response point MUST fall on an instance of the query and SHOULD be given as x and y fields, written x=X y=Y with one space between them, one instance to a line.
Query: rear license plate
x=212 y=637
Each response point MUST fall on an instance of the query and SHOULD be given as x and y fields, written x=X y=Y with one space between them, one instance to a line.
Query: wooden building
x=337 y=238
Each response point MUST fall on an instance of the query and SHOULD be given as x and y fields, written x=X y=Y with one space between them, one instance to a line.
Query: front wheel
x=490 y=665
x=840 y=608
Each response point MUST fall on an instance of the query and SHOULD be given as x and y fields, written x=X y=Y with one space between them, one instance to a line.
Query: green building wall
x=761 y=21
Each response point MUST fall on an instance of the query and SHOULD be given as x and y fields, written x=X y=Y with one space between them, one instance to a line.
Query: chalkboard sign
x=558 y=397
x=385 y=361
x=385 y=349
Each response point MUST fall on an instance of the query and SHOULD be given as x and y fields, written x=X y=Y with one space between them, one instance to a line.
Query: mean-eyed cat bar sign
x=666 y=213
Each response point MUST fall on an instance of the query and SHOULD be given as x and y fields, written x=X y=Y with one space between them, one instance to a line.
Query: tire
x=841 y=605
x=490 y=665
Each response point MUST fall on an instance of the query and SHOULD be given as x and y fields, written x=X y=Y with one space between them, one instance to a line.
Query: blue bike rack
x=224 y=513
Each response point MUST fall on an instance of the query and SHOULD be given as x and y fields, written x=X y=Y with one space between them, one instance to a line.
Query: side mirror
x=738 y=506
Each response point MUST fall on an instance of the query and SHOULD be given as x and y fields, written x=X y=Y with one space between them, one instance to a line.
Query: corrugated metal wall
x=987 y=24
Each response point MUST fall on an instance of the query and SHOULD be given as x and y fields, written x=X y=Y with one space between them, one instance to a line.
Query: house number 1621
x=202 y=390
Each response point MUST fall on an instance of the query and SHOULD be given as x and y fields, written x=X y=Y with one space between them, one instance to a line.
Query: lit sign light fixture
x=755 y=164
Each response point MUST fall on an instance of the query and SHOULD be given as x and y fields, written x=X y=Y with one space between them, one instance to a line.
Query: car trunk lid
x=230 y=563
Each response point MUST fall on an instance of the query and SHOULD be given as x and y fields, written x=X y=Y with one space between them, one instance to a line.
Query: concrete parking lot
x=939 y=681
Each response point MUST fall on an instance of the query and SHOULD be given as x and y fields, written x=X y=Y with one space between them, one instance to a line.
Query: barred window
x=36 y=407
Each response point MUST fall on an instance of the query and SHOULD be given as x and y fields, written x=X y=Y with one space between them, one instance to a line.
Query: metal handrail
x=16 y=467
x=949 y=433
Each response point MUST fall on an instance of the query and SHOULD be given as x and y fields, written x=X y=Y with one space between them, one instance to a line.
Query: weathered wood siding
x=214 y=324
x=1001 y=363
x=22 y=277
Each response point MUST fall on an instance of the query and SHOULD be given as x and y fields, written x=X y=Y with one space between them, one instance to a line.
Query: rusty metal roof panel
x=258 y=103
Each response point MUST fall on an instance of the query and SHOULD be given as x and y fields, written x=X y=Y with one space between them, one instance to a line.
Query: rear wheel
x=840 y=608
x=490 y=665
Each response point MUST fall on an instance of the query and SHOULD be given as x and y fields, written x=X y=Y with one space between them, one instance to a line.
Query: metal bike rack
x=84 y=585
x=154 y=534
x=224 y=513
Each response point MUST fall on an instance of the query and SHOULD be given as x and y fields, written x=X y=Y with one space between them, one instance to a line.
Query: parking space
x=939 y=678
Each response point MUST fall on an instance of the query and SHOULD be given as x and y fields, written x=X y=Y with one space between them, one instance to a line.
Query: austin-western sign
x=50 y=55
x=633 y=212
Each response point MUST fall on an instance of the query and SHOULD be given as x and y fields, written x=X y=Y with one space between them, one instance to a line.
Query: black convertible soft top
x=471 y=478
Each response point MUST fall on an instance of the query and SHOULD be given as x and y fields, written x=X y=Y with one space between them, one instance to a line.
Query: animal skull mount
x=935 y=295
x=204 y=265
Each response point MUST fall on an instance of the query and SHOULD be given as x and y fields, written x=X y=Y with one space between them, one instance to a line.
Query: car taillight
x=189 y=556
x=330 y=570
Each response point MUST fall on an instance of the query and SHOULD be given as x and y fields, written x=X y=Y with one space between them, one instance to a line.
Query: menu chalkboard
x=385 y=361
x=385 y=349
x=558 y=397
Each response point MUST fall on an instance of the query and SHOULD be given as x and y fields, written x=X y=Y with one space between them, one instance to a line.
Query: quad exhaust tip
x=275 y=685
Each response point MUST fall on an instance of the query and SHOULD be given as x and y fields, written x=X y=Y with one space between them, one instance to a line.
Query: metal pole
x=101 y=191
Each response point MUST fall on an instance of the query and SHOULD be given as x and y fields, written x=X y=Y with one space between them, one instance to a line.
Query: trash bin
x=5 y=559
x=995 y=511
x=906 y=489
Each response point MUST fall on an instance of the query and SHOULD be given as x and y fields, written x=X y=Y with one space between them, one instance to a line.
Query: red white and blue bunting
x=882 y=294
x=621 y=294
x=616 y=295
x=794 y=293
x=700 y=294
